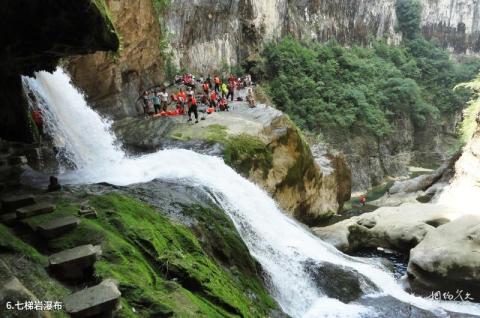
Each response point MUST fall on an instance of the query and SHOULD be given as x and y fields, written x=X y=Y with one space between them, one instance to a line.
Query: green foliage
x=470 y=114
x=170 y=68
x=327 y=86
x=242 y=152
x=409 y=16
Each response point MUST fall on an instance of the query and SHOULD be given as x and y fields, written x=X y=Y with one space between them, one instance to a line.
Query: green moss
x=21 y=260
x=109 y=23
x=244 y=153
x=162 y=267
x=10 y=243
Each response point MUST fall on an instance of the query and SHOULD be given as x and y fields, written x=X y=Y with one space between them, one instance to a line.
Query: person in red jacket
x=38 y=120
x=182 y=98
x=217 y=82
x=206 y=87
x=213 y=98
x=192 y=108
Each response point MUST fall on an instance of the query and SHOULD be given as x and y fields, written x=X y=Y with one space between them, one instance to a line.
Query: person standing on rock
x=164 y=99
x=182 y=98
x=251 y=98
x=224 y=90
x=231 y=90
x=156 y=102
x=363 y=200
x=213 y=99
x=218 y=82
x=146 y=100
x=192 y=108
x=206 y=88
x=209 y=81
x=150 y=103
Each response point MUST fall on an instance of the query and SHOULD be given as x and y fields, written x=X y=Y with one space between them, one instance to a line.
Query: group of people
x=213 y=96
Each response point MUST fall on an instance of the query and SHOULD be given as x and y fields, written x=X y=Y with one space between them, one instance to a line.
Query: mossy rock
x=167 y=269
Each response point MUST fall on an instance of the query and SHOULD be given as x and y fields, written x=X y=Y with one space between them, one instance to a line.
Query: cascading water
x=281 y=245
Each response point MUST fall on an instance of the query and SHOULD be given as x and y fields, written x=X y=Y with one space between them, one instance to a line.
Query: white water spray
x=279 y=243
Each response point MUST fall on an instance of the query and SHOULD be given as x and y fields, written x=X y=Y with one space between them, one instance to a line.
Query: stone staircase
x=70 y=265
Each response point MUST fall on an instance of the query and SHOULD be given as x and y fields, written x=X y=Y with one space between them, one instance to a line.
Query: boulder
x=400 y=228
x=98 y=300
x=348 y=282
x=35 y=209
x=74 y=263
x=448 y=258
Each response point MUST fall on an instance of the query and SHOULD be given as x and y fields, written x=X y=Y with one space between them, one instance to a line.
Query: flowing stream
x=280 y=244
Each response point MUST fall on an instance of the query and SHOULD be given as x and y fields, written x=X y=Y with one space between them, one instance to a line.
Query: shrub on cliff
x=324 y=86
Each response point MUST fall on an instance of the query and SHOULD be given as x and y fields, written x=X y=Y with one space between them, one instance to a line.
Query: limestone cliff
x=373 y=159
x=112 y=82
x=263 y=145
x=206 y=35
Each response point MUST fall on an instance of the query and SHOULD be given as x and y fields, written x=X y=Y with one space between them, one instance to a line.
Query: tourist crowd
x=191 y=96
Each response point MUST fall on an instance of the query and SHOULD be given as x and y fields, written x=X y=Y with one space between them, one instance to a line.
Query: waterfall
x=280 y=244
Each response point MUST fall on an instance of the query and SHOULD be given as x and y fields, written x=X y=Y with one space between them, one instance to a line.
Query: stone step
x=11 y=203
x=17 y=160
x=99 y=300
x=35 y=209
x=8 y=218
x=57 y=227
x=74 y=263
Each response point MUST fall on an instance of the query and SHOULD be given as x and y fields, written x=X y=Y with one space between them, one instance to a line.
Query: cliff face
x=112 y=82
x=455 y=23
x=206 y=35
x=372 y=160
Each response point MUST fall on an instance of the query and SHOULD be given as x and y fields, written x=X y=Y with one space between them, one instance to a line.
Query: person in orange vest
x=206 y=87
x=213 y=98
x=217 y=82
x=182 y=98
x=192 y=108
x=223 y=105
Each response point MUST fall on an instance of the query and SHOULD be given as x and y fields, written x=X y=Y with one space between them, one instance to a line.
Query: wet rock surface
x=448 y=258
x=400 y=228
x=263 y=145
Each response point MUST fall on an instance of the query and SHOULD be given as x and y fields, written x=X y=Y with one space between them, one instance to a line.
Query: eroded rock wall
x=207 y=35
x=113 y=82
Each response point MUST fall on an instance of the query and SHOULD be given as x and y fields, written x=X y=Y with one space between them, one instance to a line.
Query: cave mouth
x=37 y=34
